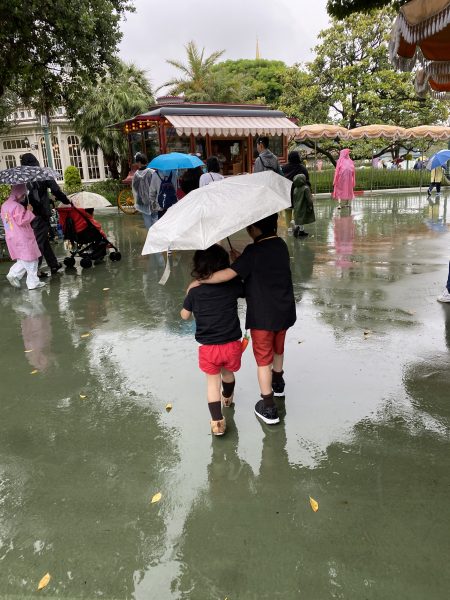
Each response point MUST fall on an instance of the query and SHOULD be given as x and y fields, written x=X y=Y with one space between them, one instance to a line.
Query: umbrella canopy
x=439 y=159
x=421 y=34
x=89 y=200
x=317 y=132
x=26 y=174
x=391 y=132
x=215 y=211
x=428 y=132
x=174 y=161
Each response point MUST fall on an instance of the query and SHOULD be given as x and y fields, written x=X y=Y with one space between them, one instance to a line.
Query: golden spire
x=258 y=54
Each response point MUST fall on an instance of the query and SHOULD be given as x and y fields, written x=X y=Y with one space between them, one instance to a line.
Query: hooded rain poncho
x=302 y=201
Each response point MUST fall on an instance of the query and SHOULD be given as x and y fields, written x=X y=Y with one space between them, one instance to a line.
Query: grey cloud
x=286 y=29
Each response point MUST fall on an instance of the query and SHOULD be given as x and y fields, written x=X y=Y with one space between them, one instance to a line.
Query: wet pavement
x=85 y=442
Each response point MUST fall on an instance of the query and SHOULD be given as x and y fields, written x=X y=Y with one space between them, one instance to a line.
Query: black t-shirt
x=264 y=267
x=215 y=311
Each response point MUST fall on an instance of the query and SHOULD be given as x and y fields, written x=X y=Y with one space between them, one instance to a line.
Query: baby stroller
x=88 y=240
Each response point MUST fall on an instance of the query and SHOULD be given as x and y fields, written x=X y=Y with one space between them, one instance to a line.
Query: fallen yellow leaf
x=314 y=504
x=105 y=289
x=85 y=335
x=34 y=372
x=156 y=498
x=168 y=407
x=27 y=351
x=44 y=581
x=82 y=397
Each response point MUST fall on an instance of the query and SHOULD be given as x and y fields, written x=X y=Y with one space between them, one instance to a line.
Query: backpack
x=167 y=195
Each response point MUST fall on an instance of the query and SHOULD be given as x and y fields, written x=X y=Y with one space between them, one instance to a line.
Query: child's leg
x=228 y=383
x=213 y=394
x=18 y=270
x=31 y=267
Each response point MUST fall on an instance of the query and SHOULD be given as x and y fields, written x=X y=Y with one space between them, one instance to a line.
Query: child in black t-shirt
x=218 y=330
x=264 y=266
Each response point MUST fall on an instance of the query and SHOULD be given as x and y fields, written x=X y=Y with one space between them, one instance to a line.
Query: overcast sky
x=287 y=30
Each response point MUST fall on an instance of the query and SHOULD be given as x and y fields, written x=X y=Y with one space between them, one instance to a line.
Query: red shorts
x=265 y=344
x=212 y=358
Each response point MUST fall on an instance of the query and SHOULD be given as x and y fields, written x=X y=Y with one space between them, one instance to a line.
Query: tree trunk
x=321 y=151
x=112 y=166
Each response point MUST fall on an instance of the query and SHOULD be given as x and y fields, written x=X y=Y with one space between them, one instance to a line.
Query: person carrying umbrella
x=437 y=175
x=20 y=239
x=39 y=199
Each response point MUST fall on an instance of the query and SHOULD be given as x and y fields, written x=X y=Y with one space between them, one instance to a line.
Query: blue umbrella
x=439 y=159
x=174 y=161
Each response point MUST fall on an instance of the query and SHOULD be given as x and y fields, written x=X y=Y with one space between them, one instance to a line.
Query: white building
x=26 y=135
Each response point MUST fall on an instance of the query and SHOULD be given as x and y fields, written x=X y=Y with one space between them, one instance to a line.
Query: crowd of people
x=261 y=273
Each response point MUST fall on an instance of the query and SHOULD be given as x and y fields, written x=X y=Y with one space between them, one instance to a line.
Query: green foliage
x=72 y=180
x=120 y=95
x=109 y=189
x=4 y=192
x=196 y=74
x=259 y=79
x=51 y=50
x=344 y=8
x=368 y=179
x=302 y=98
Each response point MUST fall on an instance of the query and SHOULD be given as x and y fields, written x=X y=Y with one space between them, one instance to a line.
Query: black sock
x=277 y=376
x=215 y=408
x=228 y=388
x=268 y=400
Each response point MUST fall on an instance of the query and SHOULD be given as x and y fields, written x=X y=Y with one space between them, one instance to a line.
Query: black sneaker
x=278 y=387
x=268 y=415
x=54 y=270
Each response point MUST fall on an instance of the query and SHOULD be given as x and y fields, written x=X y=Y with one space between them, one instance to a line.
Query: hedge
x=371 y=179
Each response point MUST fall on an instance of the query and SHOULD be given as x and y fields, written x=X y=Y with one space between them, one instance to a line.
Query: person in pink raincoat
x=20 y=239
x=344 y=178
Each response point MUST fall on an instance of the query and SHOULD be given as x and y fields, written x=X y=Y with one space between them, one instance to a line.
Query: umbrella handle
x=228 y=240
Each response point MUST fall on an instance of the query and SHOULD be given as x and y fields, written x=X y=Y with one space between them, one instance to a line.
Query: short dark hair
x=29 y=160
x=264 y=140
x=213 y=164
x=140 y=157
x=206 y=262
x=268 y=224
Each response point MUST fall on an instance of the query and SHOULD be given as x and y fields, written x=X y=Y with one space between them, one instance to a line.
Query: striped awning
x=232 y=126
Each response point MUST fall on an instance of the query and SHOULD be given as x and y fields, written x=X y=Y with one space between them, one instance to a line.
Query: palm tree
x=125 y=92
x=195 y=82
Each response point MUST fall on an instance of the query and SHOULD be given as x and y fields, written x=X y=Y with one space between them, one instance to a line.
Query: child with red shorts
x=264 y=267
x=218 y=330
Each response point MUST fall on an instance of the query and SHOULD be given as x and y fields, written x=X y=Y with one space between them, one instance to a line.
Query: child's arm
x=186 y=311
x=23 y=216
x=185 y=314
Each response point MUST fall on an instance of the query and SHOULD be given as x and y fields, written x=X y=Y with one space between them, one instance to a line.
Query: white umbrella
x=89 y=200
x=215 y=211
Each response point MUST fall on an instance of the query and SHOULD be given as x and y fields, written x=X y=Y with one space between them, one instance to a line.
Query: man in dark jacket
x=39 y=199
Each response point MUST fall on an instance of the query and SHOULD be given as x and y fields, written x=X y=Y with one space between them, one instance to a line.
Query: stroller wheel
x=115 y=256
x=86 y=263
x=69 y=261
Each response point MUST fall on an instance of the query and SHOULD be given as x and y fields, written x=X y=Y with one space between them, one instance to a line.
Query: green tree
x=351 y=82
x=117 y=97
x=51 y=50
x=263 y=79
x=344 y=8
x=196 y=74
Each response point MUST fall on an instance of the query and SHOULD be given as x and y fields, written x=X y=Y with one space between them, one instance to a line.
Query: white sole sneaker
x=40 y=285
x=13 y=281
x=444 y=297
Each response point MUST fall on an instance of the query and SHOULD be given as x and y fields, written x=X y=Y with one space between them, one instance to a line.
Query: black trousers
x=41 y=228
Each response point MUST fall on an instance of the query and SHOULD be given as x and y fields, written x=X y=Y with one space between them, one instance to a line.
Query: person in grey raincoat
x=140 y=186
x=302 y=204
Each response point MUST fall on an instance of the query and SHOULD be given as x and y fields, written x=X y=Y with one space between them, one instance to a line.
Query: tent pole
x=315 y=166
x=371 y=173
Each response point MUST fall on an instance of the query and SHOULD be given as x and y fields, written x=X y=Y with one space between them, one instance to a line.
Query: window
x=135 y=141
x=18 y=144
x=22 y=114
x=29 y=114
x=73 y=144
x=10 y=161
x=151 y=141
x=275 y=145
x=57 y=157
x=44 y=151
x=92 y=163
x=177 y=143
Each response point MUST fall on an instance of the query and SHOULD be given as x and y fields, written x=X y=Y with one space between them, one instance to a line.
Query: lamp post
x=46 y=131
